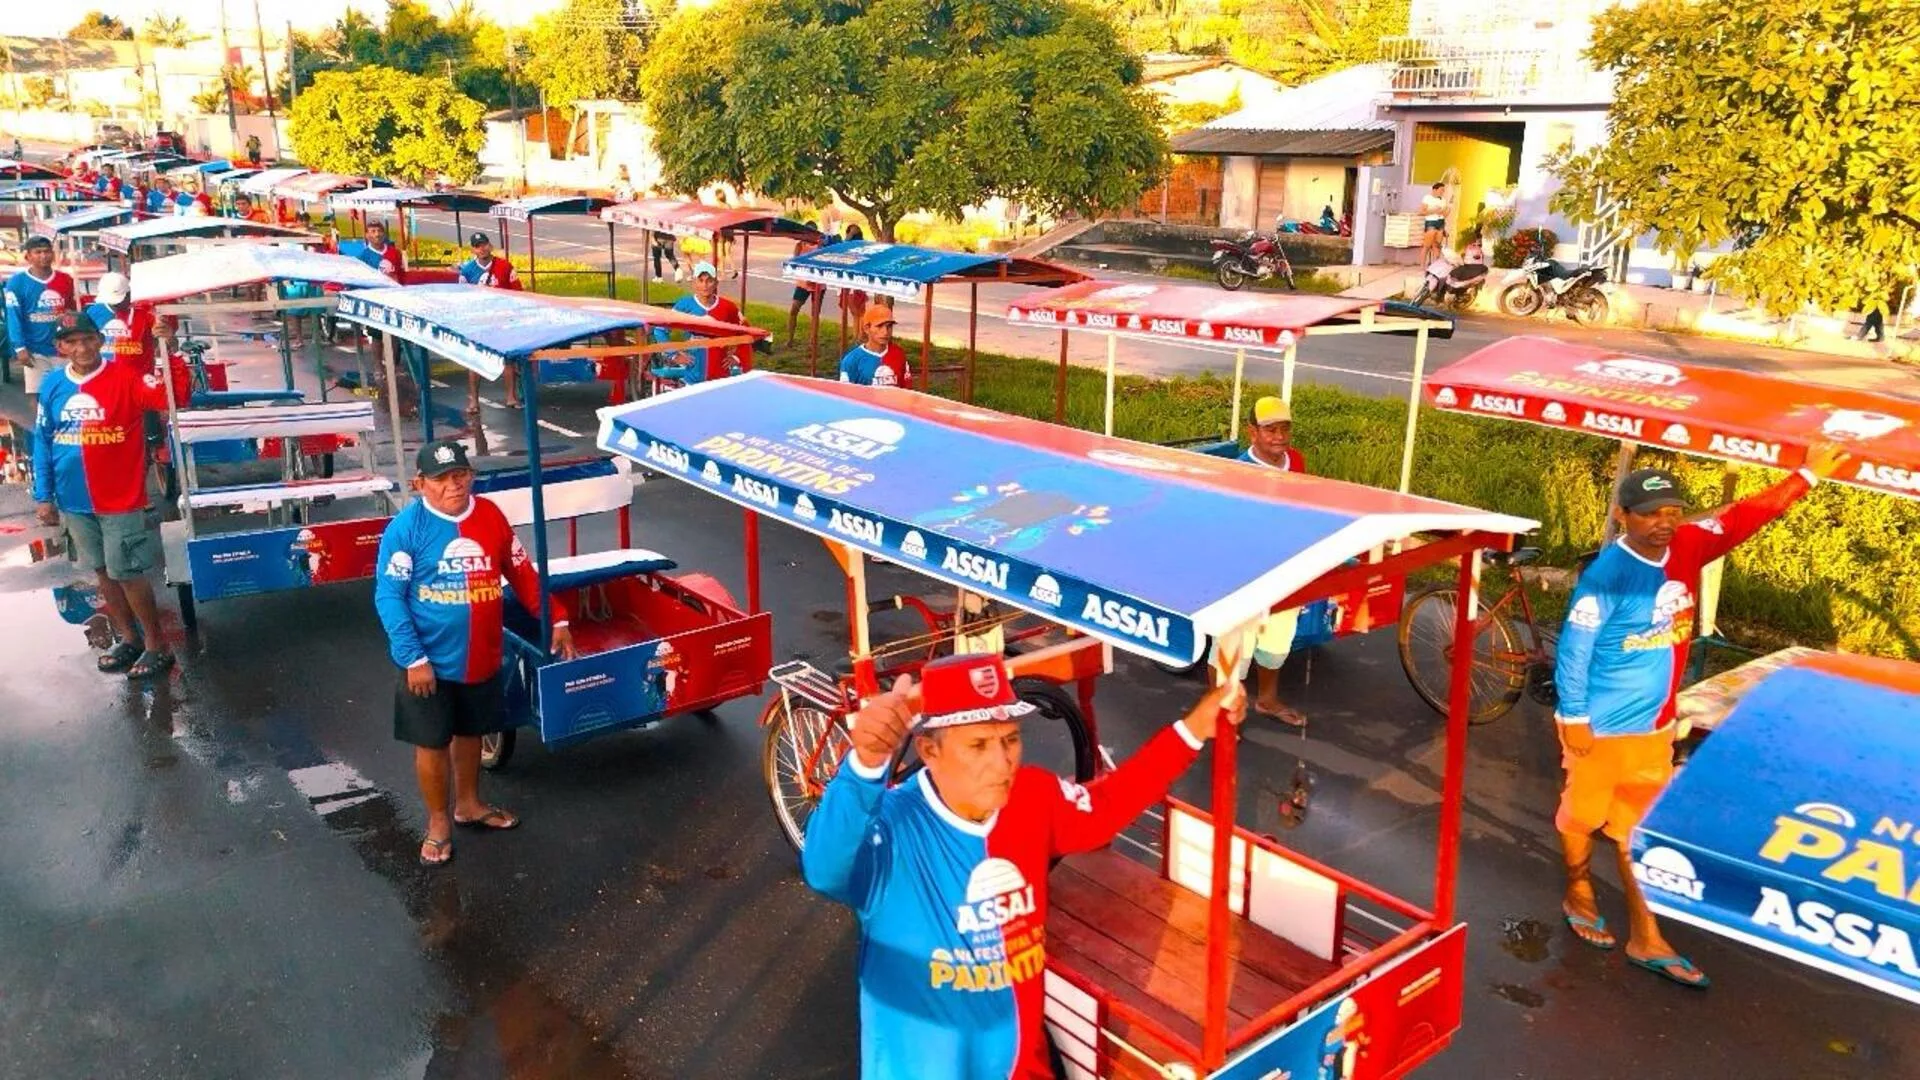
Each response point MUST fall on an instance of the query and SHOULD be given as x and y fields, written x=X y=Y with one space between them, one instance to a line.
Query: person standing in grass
x=705 y=300
x=1620 y=660
x=878 y=360
x=1270 y=446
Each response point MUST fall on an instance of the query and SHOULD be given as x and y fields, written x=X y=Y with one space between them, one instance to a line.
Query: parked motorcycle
x=1456 y=285
x=1253 y=257
x=1543 y=284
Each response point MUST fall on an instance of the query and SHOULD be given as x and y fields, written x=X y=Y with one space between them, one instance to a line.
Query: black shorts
x=454 y=708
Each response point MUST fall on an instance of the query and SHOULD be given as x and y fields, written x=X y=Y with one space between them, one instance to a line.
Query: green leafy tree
x=898 y=106
x=1301 y=42
x=96 y=26
x=167 y=31
x=380 y=122
x=465 y=46
x=589 y=50
x=1790 y=130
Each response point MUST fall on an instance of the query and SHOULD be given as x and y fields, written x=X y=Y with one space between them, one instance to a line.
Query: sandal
x=494 y=819
x=151 y=663
x=1592 y=931
x=444 y=847
x=1674 y=969
x=119 y=657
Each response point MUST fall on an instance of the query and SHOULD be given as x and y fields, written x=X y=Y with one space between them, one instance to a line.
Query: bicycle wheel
x=1426 y=652
x=804 y=747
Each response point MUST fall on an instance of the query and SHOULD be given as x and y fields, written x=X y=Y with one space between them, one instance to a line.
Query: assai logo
x=710 y=473
x=399 y=566
x=669 y=457
x=1608 y=423
x=1446 y=397
x=81 y=408
x=1668 y=871
x=756 y=491
x=1075 y=795
x=866 y=438
x=1585 y=614
x=1045 y=590
x=997 y=894
x=1500 y=404
x=966 y=564
x=1131 y=460
x=1554 y=413
x=1854 y=424
x=1677 y=435
x=803 y=508
x=1245 y=335
x=1888 y=476
x=464 y=556
x=1669 y=602
x=860 y=528
x=913 y=545
x=1125 y=619
x=1745 y=449
x=1628 y=369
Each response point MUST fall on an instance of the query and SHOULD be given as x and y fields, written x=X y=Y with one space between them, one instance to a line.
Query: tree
x=468 y=46
x=95 y=26
x=589 y=50
x=167 y=31
x=387 y=123
x=1791 y=131
x=1312 y=38
x=896 y=106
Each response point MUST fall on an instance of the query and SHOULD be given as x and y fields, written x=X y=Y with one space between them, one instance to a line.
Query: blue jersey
x=953 y=913
x=694 y=363
x=156 y=202
x=442 y=585
x=497 y=273
x=865 y=367
x=89 y=439
x=1630 y=623
x=33 y=307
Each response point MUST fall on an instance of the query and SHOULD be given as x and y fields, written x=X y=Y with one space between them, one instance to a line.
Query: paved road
x=215 y=878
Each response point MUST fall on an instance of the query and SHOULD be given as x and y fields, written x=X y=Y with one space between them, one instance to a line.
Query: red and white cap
x=959 y=690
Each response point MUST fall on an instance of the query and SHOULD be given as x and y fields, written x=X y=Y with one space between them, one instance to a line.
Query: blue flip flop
x=1596 y=925
x=1665 y=966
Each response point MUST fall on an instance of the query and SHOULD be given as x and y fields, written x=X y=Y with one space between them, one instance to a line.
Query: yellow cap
x=1271 y=410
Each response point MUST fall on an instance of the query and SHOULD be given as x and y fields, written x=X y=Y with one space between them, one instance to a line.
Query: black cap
x=1649 y=489
x=479 y=238
x=73 y=324
x=441 y=457
x=36 y=242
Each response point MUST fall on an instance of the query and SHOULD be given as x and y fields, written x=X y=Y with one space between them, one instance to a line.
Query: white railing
x=1539 y=69
x=1605 y=239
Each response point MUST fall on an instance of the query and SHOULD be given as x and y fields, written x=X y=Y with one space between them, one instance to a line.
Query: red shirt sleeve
x=524 y=576
x=1089 y=817
x=1712 y=536
x=1296 y=461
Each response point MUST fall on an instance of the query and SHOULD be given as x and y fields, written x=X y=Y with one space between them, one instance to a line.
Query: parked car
x=112 y=134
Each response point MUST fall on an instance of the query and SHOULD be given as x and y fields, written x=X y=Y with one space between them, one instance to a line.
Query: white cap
x=112 y=290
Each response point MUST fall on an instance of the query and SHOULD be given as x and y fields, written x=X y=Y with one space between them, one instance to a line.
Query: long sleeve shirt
x=89 y=439
x=496 y=273
x=694 y=362
x=1624 y=647
x=34 y=306
x=953 y=912
x=442 y=586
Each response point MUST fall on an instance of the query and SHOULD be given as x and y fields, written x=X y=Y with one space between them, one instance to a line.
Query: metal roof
x=1210 y=140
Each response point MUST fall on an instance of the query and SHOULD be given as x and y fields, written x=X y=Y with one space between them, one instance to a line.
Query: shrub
x=1513 y=250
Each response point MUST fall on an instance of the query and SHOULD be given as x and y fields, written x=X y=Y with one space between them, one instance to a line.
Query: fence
x=1189 y=196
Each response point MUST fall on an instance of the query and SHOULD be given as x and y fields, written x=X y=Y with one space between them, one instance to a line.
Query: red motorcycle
x=1253 y=257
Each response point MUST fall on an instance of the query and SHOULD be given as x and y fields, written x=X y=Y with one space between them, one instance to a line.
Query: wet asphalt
x=214 y=876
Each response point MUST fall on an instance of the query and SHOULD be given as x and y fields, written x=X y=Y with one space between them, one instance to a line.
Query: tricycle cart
x=714 y=224
x=403 y=202
x=127 y=245
x=1234 y=957
x=652 y=643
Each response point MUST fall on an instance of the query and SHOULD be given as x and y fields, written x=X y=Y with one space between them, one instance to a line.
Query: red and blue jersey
x=33 y=306
x=387 y=260
x=496 y=273
x=127 y=337
x=865 y=367
x=953 y=913
x=697 y=364
x=1624 y=647
x=442 y=585
x=89 y=439
x=1295 y=460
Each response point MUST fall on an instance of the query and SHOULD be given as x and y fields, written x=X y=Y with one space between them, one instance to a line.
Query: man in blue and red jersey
x=381 y=255
x=705 y=299
x=445 y=562
x=36 y=298
x=1270 y=444
x=90 y=474
x=1622 y=654
x=485 y=268
x=877 y=360
x=948 y=871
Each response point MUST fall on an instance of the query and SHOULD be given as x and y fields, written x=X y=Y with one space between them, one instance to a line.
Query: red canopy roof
x=1194 y=313
x=679 y=217
x=1715 y=412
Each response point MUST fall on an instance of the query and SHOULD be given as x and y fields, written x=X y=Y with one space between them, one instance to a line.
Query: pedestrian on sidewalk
x=445 y=561
x=1874 y=326
x=1621 y=656
x=1270 y=446
x=90 y=475
x=253 y=150
x=1434 y=206
x=36 y=298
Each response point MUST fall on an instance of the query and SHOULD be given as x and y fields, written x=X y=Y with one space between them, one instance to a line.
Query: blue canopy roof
x=123 y=237
x=1150 y=548
x=89 y=216
x=902 y=270
x=1794 y=826
x=481 y=329
x=539 y=205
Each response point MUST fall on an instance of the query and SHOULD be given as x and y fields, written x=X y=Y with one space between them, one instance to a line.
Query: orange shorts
x=1614 y=785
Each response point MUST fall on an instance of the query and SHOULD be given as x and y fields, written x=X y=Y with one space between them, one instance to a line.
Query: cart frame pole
x=746 y=241
x=1060 y=384
x=926 y=336
x=814 y=303
x=1113 y=349
x=1223 y=809
x=1622 y=461
x=613 y=267
x=393 y=416
x=1239 y=375
x=973 y=334
x=646 y=266
x=531 y=390
x=533 y=263
x=1453 y=778
x=1413 y=407
x=1288 y=361
x=753 y=561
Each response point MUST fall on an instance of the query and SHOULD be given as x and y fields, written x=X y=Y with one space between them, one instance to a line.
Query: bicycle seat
x=1516 y=557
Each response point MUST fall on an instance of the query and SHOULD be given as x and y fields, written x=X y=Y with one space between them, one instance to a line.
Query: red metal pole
x=973 y=333
x=626 y=526
x=926 y=339
x=532 y=260
x=1213 y=1033
x=813 y=332
x=753 y=562
x=1453 y=782
x=1060 y=384
x=745 y=240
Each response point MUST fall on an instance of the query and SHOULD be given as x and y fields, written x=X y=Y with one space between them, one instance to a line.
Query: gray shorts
x=125 y=545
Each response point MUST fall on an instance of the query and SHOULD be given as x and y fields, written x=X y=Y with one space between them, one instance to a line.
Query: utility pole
x=226 y=61
x=293 y=73
x=513 y=104
x=266 y=73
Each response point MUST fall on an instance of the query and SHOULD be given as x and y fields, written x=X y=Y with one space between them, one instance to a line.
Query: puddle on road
x=1519 y=995
x=1526 y=940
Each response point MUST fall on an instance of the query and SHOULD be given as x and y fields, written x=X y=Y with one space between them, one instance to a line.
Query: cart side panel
x=647 y=681
x=224 y=565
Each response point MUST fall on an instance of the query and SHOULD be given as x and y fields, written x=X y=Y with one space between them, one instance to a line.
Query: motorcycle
x=1253 y=257
x=1456 y=285
x=1542 y=283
